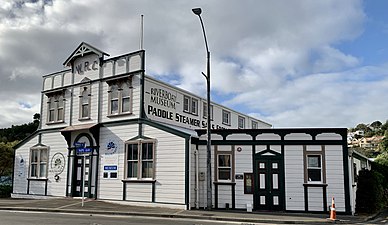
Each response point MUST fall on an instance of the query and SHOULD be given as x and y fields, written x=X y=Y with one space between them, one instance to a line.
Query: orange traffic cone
x=333 y=213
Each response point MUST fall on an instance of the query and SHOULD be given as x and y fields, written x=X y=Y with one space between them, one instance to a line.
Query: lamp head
x=197 y=11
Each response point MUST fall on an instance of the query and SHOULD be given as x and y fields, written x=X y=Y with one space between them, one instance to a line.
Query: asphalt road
x=44 y=218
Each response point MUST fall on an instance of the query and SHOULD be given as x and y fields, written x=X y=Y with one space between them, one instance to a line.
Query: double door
x=82 y=177
x=269 y=188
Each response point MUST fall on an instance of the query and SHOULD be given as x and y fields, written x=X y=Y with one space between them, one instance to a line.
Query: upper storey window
x=55 y=105
x=120 y=97
x=85 y=103
x=190 y=105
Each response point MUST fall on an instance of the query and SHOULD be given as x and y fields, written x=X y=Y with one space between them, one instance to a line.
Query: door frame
x=269 y=156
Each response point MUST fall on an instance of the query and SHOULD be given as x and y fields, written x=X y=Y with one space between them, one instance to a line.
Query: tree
x=376 y=125
x=6 y=159
x=382 y=159
x=36 y=117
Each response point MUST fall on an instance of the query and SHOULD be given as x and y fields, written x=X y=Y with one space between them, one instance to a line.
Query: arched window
x=126 y=97
x=60 y=108
x=120 y=97
x=114 y=99
x=55 y=107
x=85 y=103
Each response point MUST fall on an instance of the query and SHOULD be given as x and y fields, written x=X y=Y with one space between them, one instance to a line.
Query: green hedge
x=5 y=191
x=371 y=193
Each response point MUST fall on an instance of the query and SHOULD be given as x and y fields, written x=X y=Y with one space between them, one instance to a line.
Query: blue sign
x=79 y=145
x=110 y=167
x=83 y=150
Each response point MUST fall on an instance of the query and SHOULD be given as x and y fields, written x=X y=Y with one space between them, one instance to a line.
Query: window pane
x=42 y=170
x=194 y=106
x=314 y=161
x=275 y=181
x=85 y=111
x=262 y=181
x=132 y=152
x=224 y=174
x=43 y=156
x=314 y=174
x=147 y=151
x=224 y=160
x=126 y=104
x=225 y=117
x=186 y=104
x=85 y=97
x=254 y=125
x=60 y=114
x=204 y=110
x=34 y=157
x=51 y=115
x=241 y=122
x=114 y=107
x=147 y=170
x=34 y=168
x=132 y=169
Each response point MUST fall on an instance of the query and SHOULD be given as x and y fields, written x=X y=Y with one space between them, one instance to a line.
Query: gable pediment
x=82 y=50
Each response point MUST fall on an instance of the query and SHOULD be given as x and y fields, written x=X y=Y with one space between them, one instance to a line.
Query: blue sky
x=293 y=64
x=372 y=45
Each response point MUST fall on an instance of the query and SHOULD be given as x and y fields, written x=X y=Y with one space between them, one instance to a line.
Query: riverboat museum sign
x=110 y=132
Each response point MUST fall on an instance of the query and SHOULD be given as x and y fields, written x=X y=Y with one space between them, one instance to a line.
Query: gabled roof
x=83 y=49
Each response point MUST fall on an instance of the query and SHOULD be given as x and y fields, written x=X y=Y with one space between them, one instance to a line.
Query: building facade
x=110 y=132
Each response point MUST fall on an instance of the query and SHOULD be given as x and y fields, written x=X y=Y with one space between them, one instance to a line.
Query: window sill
x=225 y=124
x=139 y=181
x=37 y=179
x=55 y=122
x=317 y=184
x=84 y=119
x=118 y=115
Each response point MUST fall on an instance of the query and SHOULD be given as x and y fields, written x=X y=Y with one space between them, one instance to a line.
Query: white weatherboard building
x=113 y=133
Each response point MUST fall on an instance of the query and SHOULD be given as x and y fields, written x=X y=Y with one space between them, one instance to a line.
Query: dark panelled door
x=269 y=187
x=81 y=177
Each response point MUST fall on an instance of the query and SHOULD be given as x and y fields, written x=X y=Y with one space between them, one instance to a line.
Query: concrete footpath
x=70 y=205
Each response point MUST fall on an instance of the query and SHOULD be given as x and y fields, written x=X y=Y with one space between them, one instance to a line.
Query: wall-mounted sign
x=239 y=149
x=166 y=105
x=239 y=176
x=111 y=148
x=110 y=167
x=57 y=163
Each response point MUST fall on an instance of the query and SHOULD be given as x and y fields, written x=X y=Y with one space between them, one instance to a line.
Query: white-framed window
x=140 y=160
x=56 y=108
x=186 y=104
x=85 y=103
x=314 y=168
x=205 y=111
x=190 y=105
x=120 y=97
x=241 y=122
x=255 y=125
x=224 y=167
x=38 y=162
x=194 y=106
x=225 y=117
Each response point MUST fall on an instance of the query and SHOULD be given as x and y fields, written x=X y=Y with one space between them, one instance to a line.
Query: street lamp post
x=198 y=11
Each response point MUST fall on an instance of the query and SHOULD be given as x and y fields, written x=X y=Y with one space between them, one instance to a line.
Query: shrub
x=370 y=191
x=5 y=191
